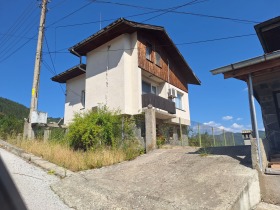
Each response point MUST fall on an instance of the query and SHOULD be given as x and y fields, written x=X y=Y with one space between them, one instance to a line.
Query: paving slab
x=176 y=178
x=266 y=206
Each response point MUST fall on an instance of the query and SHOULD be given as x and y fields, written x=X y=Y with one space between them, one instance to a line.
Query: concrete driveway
x=177 y=178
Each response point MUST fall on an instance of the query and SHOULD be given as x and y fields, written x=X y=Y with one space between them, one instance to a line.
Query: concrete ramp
x=178 y=178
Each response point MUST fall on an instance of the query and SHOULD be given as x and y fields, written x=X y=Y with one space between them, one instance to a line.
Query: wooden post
x=233 y=139
x=225 y=140
x=37 y=69
x=213 y=136
x=181 y=133
x=199 y=136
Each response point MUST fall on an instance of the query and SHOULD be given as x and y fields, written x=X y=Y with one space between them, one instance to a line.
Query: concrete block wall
x=264 y=92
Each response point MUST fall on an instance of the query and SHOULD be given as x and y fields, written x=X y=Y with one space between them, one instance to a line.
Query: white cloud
x=212 y=123
x=239 y=118
x=237 y=126
x=227 y=117
x=245 y=89
x=217 y=125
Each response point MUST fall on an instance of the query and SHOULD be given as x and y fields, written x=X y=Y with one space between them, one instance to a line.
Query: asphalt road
x=33 y=183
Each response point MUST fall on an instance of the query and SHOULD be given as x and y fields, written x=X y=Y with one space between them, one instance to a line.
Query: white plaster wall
x=132 y=76
x=73 y=103
x=118 y=86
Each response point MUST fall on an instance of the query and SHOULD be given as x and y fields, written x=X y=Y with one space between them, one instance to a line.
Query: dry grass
x=64 y=156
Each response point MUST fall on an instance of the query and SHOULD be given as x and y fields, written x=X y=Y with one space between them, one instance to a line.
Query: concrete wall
x=112 y=76
x=264 y=88
x=73 y=103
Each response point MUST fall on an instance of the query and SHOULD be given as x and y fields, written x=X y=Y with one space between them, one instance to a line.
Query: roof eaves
x=109 y=27
x=245 y=63
x=59 y=78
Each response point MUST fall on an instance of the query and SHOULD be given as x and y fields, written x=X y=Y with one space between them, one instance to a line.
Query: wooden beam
x=264 y=66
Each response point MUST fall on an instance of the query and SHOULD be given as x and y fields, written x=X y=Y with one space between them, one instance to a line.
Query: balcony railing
x=158 y=102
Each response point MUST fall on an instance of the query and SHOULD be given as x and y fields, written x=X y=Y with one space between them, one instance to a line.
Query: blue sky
x=217 y=102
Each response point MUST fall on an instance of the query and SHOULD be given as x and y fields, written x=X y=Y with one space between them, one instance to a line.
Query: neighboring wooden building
x=129 y=65
x=263 y=73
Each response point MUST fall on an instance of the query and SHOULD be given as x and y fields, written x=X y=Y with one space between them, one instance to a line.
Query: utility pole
x=37 y=68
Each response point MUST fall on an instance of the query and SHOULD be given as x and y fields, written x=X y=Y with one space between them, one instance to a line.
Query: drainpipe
x=168 y=72
x=254 y=118
x=77 y=54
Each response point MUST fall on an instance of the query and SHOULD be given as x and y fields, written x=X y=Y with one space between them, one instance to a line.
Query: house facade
x=128 y=66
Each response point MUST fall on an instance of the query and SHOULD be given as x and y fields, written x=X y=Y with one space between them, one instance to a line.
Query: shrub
x=95 y=129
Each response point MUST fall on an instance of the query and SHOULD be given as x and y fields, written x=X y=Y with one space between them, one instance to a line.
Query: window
x=148 y=88
x=158 y=59
x=178 y=101
x=83 y=97
x=149 y=51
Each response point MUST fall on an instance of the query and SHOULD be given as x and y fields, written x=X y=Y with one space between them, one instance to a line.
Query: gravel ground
x=33 y=183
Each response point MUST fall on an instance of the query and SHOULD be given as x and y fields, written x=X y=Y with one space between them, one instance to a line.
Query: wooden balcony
x=158 y=102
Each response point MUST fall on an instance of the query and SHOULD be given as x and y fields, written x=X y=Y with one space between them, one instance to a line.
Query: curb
x=57 y=170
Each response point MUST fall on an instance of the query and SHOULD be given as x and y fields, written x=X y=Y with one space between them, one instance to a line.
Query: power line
x=179 y=12
x=66 y=16
x=20 y=19
x=20 y=37
x=17 y=49
x=178 y=44
x=53 y=73
x=171 y=9
x=50 y=54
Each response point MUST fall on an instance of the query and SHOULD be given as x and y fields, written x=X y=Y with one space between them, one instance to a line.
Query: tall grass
x=62 y=155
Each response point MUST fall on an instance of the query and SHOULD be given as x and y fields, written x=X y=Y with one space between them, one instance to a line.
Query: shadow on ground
x=240 y=153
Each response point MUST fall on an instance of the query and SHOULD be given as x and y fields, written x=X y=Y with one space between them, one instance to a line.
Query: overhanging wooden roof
x=70 y=73
x=122 y=26
x=269 y=34
x=258 y=66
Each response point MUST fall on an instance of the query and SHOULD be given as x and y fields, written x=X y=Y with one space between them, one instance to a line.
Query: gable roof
x=122 y=26
x=70 y=73
x=269 y=34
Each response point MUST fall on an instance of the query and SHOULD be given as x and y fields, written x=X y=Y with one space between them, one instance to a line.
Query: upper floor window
x=149 y=50
x=158 y=59
x=178 y=101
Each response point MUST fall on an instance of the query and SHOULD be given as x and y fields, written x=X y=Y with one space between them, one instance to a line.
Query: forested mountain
x=11 y=108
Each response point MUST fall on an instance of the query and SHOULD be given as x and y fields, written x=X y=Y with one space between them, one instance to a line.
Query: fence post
x=199 y=136
x=213 y=136
x=122 y=129
x=181 y=133
x=233 y=139
x=225 y=140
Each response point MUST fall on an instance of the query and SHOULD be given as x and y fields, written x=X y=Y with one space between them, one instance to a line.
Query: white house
x=128 y=66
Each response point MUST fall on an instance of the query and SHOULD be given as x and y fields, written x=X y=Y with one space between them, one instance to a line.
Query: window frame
x=149 y=56
x=158 y=62
x=181 y=107
x=151 y=87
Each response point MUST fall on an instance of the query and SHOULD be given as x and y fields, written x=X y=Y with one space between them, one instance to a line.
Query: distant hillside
x=14 y=109
x=19 y=111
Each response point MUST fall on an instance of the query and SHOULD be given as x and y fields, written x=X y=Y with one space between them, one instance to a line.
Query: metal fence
x=207 y=136
x=193 y=134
